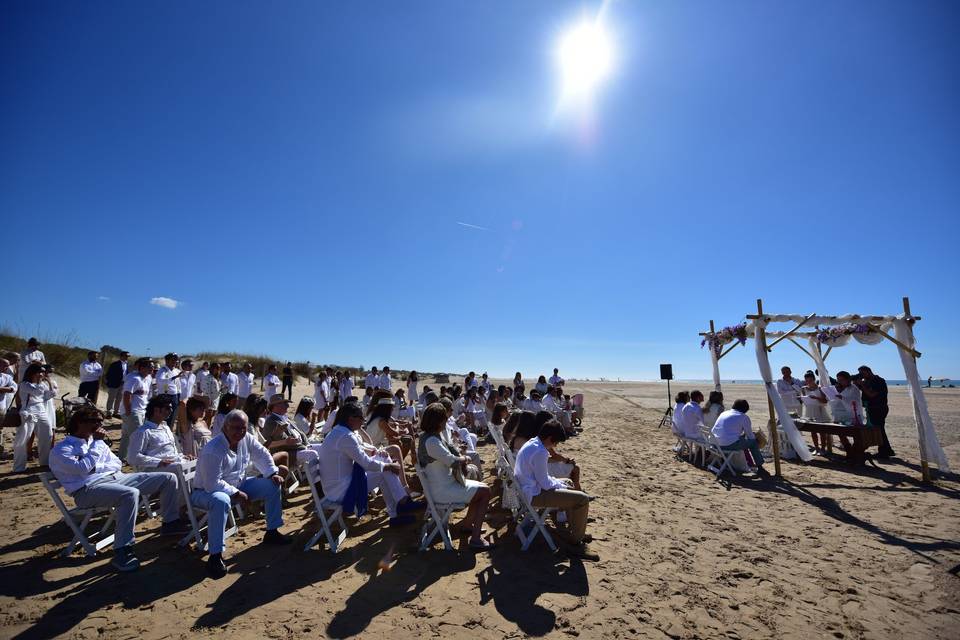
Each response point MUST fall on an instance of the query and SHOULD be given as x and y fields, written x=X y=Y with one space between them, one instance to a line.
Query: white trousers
x=28 y=426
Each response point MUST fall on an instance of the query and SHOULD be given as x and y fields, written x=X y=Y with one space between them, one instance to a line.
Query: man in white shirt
x=533 y=403
x=346 y=386
x=385 y=382
x=246 y=379
x=373 y=379
x=789 y=389
x=543 y=490
x=168 y=382
x=136 y=392
x=690 y=419
x=89 y=472
x=31 y=354
x=202 y=375
x=229 y=380
x=8 y=391
x=734 y=432
x=271 y=382
x=221 y=482
x=152 y=446
x=187 y=385
x=555 y=380
x=90 y=371
x=342 y=448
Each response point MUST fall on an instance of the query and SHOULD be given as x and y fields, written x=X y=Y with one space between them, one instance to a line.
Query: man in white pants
x=83 y=463
x=342 y=448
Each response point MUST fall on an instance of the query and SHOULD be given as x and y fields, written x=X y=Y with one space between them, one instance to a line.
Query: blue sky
x=293 y=175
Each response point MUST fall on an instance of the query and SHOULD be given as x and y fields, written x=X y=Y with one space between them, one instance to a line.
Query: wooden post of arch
x=761 y=337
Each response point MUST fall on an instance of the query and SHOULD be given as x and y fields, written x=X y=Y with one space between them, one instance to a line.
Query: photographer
x=874 y=391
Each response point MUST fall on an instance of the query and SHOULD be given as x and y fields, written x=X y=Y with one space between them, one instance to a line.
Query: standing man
x=555 y=380
x=168 y=383
x=229 y=380
x=187 y=383
x=287 y=381
x=789 y=389
x=385 y=383
x=874 y=391
x=246 y=379
x=372 y=379
x=346 y=387
x=322 y=395
x=116 y=373
x=136 y=392
x=90 y=371
x=31 y=354
x=271 y=382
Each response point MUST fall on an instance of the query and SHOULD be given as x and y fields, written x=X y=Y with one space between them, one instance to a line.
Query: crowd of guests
x=247 y=446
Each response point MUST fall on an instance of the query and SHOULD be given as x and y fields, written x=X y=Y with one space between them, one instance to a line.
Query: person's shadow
x=407 y=578
x=516 y=579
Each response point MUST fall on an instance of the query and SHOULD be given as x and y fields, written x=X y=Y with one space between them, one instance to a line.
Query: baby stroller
x=576 y=404
x=72 y=404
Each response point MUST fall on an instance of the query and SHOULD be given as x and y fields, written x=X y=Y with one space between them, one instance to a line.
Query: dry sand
x=827 y=552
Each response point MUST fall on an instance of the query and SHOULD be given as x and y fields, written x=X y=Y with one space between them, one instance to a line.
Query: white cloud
x=166 y=303
x=103 y=298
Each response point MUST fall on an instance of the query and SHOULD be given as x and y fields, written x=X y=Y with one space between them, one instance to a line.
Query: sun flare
x=585 y=59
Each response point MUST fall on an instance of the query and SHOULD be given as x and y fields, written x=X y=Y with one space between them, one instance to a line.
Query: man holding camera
x=874 y=391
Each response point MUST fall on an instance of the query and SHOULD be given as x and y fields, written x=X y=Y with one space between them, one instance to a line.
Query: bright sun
x=585 y=59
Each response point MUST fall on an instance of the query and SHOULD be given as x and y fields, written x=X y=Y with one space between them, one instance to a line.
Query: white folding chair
x=530 y=517
x=328 y=512
x=186 y=471
x=712 y=446
x=78 y=519
x=436 y=521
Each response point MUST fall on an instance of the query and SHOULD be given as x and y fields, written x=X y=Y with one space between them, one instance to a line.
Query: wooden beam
x=799 y=346
x=736 y=343
x=824 y=357
x=790 y=333
x=911 y=351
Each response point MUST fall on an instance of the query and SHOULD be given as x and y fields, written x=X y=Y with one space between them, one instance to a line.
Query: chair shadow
x=407 y=578
x=160 y=575
x=516 y=579
x=14 y=479
x=832 y=508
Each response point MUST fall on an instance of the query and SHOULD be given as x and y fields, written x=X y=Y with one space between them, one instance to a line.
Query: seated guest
x=228 y=402
x=256 y=409
x=331 y=420
x=500 y=414
x=401 y=410
x=305 y=418
x=543 y=490
x=525 y=429
x=533 y=403
x=541 y=385
x=383 y=430
x=683 y=397
x=464 y=439
x=714 y=409
x=192 y=432
x=152 y=446
x=554 y=403
x=734 y=432
x=281 y=435
x=341 y=450
x=475 y=411
x=691 y=417
x=443 y=468
x=221 y=482
x=558 y=466
x=90 y=473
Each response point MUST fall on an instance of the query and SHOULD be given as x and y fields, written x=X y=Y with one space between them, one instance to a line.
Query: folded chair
x=436 y=521
x=530 y=520
x=329 y=513
x=712 y=446
x=186 y=471
x=78 y=519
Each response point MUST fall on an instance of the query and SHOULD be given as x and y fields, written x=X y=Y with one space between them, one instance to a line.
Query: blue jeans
x=217 y=506
x=123 y=490
x=749 y=444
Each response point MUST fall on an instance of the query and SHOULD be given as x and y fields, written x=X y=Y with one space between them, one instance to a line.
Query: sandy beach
x=828 y=551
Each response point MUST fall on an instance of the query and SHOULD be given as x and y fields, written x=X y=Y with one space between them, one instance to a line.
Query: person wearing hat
x=168 y=382
x=281 y=434
x=31 y=354
x=116 y=374
x=90 y=372
x=136 y=393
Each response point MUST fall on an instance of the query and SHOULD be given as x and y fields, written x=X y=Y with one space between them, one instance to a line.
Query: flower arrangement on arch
x=718 y=339
x=833 y=334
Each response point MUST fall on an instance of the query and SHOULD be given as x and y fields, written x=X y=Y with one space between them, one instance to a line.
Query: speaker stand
x=667 y=418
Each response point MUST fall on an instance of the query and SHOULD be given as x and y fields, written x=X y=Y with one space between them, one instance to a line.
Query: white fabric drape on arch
x=786 y=422
x=716 y=368
x=822 y=372
x=929 y=443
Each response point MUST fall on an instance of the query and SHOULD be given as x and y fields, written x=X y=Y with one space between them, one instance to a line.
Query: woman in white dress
x=714 y=409
x=442 y=467
x=34 y=395
x=412 y=395
x=305 y=418
x=226 y=404
x=192 y=432
x=817 y=412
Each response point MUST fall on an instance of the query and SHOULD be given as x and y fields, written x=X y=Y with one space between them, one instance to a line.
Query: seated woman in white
x=381 y=436
x=227 y=403
x=342 y=448
x=465 y=441
x=541 y=385
x=306 y=418
x=193 y=433
x=475 y=411
x=443 y=466
x=714 y=409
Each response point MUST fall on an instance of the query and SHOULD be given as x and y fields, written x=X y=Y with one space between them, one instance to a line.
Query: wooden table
x=855 y=442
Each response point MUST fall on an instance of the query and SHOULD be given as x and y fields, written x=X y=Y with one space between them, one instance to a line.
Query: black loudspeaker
x=666 y=372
